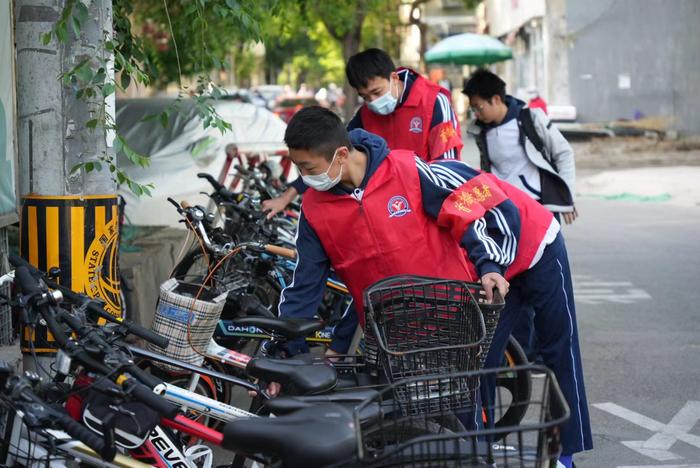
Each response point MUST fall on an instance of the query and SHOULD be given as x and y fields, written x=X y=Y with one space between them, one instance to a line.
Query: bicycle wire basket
x=449 y=436
x=490 y=312
x=425 y=326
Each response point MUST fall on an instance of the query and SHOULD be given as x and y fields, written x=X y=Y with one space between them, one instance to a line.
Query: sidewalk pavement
x=675 y=185
x=630 y=169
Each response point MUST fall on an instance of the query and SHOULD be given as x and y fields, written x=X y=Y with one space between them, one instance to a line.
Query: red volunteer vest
x=388 y=233
x=474 y=198
x=408 y=127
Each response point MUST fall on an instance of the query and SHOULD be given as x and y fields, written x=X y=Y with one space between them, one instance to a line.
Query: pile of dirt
x=618 y=152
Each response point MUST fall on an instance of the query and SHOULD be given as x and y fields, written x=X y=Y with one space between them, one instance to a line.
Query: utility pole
x=68 y=220
x=557 y=74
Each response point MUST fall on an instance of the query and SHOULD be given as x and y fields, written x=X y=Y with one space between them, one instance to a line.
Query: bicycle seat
x=301 y=375
x=349 y=398
x=289 y=404
x=290 y=328
x=312 y=437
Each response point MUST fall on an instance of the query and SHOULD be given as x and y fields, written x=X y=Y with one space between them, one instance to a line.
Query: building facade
x=610 y=59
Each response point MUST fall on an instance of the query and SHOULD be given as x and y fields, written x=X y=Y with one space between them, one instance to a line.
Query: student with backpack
x=519 y=145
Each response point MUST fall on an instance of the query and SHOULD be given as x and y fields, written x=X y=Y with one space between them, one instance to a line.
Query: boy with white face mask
x=402 y=107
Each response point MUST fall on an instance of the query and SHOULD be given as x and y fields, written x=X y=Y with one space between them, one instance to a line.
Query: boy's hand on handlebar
x=277 y=205
x=494 y=280
x=274 y=206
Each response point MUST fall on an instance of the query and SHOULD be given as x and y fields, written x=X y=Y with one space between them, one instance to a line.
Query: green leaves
x=164 y=118
x=46 y=38
x=108 y=89
x=121 y=146
x=202 y=146
x=84 y=71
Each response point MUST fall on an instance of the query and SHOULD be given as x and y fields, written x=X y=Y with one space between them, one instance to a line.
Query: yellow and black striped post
x=79 y=235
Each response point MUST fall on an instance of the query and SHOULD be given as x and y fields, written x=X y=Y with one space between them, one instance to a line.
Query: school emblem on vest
x=416 y=125
x=398 y=206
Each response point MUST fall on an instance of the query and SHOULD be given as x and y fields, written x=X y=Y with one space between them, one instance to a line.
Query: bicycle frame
x=194 y=401
x=230 y=328
x=20 y=442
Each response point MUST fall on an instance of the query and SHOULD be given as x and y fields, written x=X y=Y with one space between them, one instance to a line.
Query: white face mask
x=385 y=104
x=323 y=182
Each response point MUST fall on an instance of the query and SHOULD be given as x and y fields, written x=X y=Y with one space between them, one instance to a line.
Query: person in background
x=536 y=101
x=404 y=108
x=520 y=145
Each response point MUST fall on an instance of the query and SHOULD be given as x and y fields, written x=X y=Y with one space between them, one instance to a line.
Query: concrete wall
x=505 y=16
x=635 y=56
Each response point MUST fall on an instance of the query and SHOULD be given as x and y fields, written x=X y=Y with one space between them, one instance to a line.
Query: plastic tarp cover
x=184 y=148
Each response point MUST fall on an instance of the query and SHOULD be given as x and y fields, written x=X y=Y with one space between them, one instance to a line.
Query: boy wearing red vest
x=401 y=106
x=374 y=213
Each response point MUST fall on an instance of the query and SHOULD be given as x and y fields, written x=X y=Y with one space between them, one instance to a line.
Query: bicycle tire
x=518 y=384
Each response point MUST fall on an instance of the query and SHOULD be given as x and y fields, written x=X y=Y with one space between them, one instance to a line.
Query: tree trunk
x=69 y=219
x=351 y=46
x=423 y=28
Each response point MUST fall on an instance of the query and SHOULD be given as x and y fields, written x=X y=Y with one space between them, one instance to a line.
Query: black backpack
x=528 y=130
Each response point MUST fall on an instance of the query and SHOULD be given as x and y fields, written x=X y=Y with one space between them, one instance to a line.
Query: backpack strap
x=484 y=159
x=528 y=130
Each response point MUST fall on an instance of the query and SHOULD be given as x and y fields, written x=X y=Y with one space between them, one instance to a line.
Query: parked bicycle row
x=409 y=392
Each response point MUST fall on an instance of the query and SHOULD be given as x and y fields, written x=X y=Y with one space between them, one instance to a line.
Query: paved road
x=636 y=270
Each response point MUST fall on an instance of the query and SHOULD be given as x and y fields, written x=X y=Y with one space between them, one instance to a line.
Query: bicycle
x=314 y=450
x=250 y=322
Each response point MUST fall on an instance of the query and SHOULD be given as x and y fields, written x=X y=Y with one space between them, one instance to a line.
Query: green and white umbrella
x=468 y=49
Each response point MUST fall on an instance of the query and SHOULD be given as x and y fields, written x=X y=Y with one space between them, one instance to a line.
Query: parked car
x=270 y=93
x=286 y=108
x=244 y=95
x=184 y=148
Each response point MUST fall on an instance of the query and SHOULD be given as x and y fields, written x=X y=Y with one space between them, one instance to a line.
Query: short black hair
x=318 y=130
x=366 y=65
x=485 y=84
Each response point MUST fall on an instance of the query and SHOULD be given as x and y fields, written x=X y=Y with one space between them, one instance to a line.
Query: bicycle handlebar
x=19 y=390
x=92 y=306
x=281 y=251
x=86 y=436
x=156 y=402
x=219 y=188
x=29 y=286
x=25 y=281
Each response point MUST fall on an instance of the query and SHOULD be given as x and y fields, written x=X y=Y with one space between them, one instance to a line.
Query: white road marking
x=665 y=435
x=590 y=290
x=628 y=297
